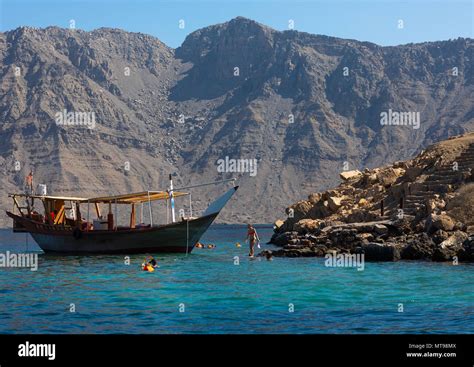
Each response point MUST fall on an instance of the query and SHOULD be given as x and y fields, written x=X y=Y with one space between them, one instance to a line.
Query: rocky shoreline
x=421 y=209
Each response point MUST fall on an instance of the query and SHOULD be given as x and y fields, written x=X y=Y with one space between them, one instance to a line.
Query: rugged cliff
x=304 y=106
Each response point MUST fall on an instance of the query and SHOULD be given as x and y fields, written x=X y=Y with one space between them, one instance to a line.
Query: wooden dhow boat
x=63 y=229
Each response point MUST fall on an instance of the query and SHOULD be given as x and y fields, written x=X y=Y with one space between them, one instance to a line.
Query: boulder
x=320 y=250
x=278 y=224
x=299 y=210
x=379 y=252
x=389 y=176
x=361 y=215
x=365 y=237
x=294 y=243
x=333 y=223
x=402 y=225
x=431 y=205
x=371 y=179
x=399 y=171
x=350 y=175
x=435 y=205
x=466 y=252
x=440 y=236
x=449 y=248
x=380 y=229
x=362 y=202
x=460 y=226
x=307 y=226
x=470 y=230
x=327 y=194
x=419 y=247
x=347 y=191
x=343 y=237
x=320 y=210
x=375 y=192
x=314 y=197
x=282 y=239
x=412 y=173
x=400 y=164
x=442 y=221
x=334 y=203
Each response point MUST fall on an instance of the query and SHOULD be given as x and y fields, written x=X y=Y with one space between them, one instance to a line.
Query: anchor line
x=187 y=236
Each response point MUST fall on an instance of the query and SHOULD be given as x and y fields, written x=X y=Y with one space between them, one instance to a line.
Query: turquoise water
x=221 y=297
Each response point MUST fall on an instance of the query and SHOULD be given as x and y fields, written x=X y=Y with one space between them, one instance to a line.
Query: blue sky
x=374 y=21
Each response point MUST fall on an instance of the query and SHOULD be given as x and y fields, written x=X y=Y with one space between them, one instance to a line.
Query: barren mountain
x=305 y=106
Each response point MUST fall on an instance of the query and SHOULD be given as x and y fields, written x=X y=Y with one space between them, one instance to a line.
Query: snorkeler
x=149 y=264
x=152 y=262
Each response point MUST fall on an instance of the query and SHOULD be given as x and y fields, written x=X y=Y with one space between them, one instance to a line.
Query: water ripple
x=205 y=292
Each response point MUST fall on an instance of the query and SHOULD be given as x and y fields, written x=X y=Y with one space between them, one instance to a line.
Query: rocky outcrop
x=390 y=213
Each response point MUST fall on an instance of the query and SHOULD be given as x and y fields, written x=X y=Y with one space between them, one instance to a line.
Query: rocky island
x=419 y=209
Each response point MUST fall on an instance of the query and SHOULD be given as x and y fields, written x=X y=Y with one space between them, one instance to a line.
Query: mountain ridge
x=179 y=110
x=235 y=19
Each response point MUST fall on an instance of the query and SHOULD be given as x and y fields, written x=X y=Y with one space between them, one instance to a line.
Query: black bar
x=318 y=350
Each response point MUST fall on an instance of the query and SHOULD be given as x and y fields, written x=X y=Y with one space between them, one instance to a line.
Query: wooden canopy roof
x=137 y=197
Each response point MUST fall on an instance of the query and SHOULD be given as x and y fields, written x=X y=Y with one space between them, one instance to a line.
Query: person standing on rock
x=252 y=236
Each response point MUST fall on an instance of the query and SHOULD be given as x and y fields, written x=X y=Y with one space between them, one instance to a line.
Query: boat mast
x=149 y=208
x=173 y=218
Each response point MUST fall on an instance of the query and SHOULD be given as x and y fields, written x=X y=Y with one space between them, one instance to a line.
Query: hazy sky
x=374 y=21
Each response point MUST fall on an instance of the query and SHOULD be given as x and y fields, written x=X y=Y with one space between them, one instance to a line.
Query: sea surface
x=222 y=291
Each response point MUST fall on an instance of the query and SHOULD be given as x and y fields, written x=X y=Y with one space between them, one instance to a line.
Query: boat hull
x=179 y=237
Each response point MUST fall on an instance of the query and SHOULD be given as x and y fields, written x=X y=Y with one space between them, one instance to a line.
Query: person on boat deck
x=53 y=215
x=85 y=224
x=252 y=236
x=29 y=183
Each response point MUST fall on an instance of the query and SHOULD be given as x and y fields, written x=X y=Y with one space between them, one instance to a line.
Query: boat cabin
x=85 y=213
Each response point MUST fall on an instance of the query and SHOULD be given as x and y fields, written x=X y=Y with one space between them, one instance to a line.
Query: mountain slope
x=289 y=105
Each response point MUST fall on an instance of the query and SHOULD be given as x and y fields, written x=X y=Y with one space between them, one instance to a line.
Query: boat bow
x=216 y=206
